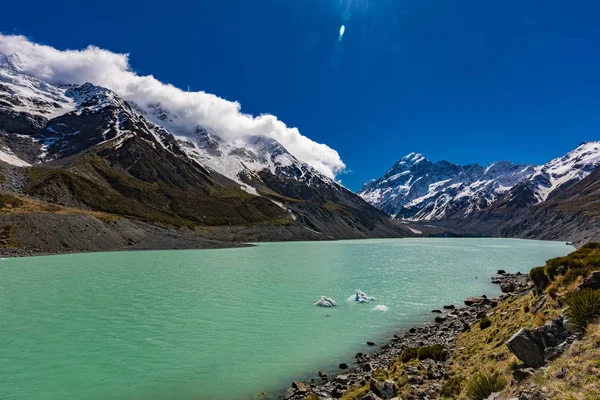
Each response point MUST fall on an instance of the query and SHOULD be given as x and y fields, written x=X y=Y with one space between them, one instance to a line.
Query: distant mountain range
x=559 y=200
x=415 y=189
x=83 y=146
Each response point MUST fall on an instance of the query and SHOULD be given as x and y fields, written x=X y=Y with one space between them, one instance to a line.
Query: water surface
x=225 y=324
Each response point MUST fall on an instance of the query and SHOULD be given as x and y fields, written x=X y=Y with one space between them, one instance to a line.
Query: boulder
x=371 y=343
x=289 y=393
x=343 y=366
x=524 y=345
x=367 y=367
x=522 y=374
x=371 y=396
x=501 y=272
x=300 y=387
x=552 y=353
x=436 y=311
x=507 y=287
x=449 y=307
x=476 y=300
x=538 y=346
x=386 y=390
x=439 y=319
x=591 y=282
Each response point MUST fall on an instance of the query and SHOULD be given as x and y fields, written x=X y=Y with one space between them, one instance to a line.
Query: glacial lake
x=226 y=324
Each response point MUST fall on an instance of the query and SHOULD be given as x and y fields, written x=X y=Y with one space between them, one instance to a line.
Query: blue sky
x=467 y=81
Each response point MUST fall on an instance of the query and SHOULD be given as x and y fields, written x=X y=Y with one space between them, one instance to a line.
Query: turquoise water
x=225 y=324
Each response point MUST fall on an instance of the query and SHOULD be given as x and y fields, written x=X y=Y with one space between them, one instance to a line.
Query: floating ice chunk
x=325 y=302
x=360 y=297
x=380 y=307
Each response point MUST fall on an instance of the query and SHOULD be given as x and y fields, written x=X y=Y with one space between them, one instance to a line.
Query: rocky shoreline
x=439 y=337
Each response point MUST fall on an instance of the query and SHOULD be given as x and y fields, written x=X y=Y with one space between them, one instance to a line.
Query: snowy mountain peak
x=417 y=189
x=11 y=61
x=410 y=159
x=555 y=175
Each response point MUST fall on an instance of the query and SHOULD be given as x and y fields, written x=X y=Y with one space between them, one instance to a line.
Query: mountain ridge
x=415 y=189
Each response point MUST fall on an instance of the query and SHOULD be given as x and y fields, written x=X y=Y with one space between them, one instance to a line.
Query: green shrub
x=409 y=353
x=482 y=385
x=452 y=387
x=380 y=375
x=594 y=262
x=485 y=323
x=590 y=246
x=583 y=308
x=539 y=278
x=435 y=352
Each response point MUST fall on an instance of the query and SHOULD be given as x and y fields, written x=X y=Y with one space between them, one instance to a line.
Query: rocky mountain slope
x=84 y=147
x=572 y=213
x=416 y=189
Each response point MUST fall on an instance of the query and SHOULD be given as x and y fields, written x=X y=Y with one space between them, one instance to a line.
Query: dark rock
x=343 y=366
x=501 y=272
x=436 y=311
x=439 y=319
x=476 y=301
x=367 y=367
x=552 y=353
x=524 y=345
x=322 y=374
x=449 y=307
x=338 y=392
x=591 y=282
x=522 y=374
x=371 y=396
x=507 y=287
x=371 y=343
x=386 y=390
x=536 y=347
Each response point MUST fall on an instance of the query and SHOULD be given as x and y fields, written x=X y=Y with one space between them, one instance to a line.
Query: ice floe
x=380 y=307
x=325 y=302
x=360 y=297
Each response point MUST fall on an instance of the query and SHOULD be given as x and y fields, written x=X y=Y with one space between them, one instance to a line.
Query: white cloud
x=111 y=70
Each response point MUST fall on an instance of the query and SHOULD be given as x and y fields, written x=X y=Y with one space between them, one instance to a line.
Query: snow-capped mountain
x=555 y=176
x=241 y=160
x=111 y=155
x=46 y=116
x=417 y=189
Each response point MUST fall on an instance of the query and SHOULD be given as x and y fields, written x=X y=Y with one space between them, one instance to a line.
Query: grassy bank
x=479 y=362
